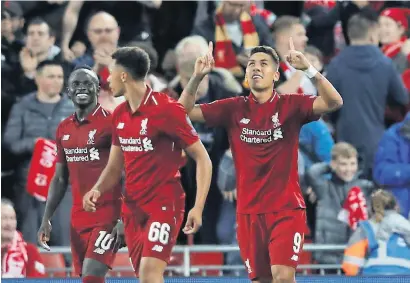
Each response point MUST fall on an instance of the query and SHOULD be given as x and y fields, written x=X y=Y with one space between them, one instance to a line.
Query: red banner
x=42 y=168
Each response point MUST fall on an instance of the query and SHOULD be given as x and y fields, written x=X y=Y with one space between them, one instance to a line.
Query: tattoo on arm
x=192 y=86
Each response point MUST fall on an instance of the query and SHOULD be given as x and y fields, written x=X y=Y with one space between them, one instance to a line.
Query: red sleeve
x=35 y=265
x=178 y=126
x=218 y=113
x=60 y=150
x=304 y=106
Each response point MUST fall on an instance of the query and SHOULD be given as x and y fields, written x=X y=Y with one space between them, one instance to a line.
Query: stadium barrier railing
x=188 y=269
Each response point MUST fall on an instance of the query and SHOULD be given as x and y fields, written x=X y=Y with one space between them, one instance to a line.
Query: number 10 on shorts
x=297 y=244
x=159 y=232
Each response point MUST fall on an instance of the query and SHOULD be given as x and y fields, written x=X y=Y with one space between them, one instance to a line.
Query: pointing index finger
x=291 y=46
x=210 y=47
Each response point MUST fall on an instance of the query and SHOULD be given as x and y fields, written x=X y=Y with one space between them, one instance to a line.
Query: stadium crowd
x=362 y=47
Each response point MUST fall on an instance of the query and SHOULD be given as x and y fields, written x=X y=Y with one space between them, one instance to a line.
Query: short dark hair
x=267 y=50
x=86 y=67
x=359 y=25
x=40 y=21
x=45 y=63
x=134 y=60
x=150 y=49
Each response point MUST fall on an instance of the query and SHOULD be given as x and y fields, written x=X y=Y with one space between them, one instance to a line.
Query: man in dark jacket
x=37 y=115
x=365 y=78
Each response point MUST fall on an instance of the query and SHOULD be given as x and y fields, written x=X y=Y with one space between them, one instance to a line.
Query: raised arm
x=188 y=98
x=203 y=66
x=329 y=98
x=110 y=176
x=70 y=20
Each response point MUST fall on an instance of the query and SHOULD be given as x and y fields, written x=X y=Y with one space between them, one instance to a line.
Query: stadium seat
x=55 y=265
x=121 y=262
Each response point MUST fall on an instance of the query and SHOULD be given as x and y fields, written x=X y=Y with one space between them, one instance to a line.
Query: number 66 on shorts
x=151 y=235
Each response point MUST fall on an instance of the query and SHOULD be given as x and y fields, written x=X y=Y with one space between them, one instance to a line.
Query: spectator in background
x=291 y=80
x=132 y=16
x=37 y=115
x=38 y=48
x=234 y=31
x=219 y=84
x=103 y=33
x=365 y=78
x=323 y=25
x=15 y=11
x=333 y=194
x=315 y=57
x=19 y=259
x=380 y=245
x=392 y=163
x=11 y=32
x=396 y=45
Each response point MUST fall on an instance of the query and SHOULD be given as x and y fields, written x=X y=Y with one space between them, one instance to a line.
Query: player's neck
x=83 y=112
x=263 y=96
x=134 y=93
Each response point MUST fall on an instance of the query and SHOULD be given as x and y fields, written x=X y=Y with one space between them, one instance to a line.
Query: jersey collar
x=252 y=98
x=147 y=100
x=92 y=115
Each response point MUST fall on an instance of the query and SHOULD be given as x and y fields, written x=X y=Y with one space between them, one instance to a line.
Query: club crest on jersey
x=275 y=120
x=144 y=123
x=91 y=135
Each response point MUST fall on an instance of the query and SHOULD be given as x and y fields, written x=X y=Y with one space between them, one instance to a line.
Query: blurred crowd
x=362 y=47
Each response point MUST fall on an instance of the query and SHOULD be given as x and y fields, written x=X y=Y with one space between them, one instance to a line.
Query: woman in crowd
x=380 y=245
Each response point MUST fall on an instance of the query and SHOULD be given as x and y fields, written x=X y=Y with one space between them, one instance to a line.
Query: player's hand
x=28 y=61
x=205 y=64
x=194 y=221
x=118 y=234
x=296 y=59
x=90 y=199
x=43 y=235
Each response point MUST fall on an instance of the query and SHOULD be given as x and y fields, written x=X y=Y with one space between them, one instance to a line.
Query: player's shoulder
x=161 y=98
x=120 y=109
x=67 y=122
x=164 y=102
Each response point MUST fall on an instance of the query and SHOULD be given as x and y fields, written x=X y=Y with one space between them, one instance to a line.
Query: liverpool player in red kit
x=83 y=146
x=263 y=131
x=149 y=132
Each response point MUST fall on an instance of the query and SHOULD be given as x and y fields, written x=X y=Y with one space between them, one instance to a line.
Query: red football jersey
x=152 y=139
x=85 y=147
x=264 y=140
